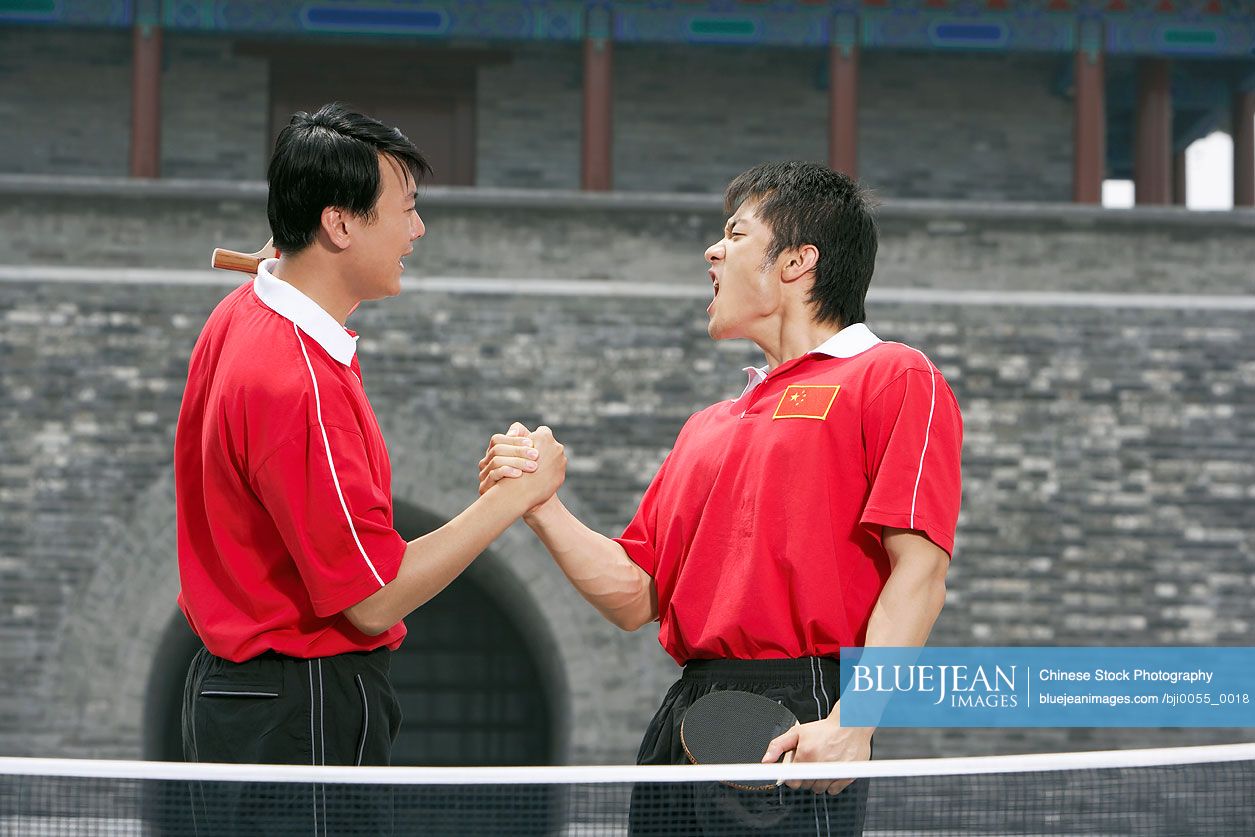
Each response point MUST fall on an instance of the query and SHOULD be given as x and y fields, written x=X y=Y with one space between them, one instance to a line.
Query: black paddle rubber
x=731 y=727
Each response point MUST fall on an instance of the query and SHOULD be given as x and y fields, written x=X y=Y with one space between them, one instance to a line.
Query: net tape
x=1188 y=790
x=600 y=774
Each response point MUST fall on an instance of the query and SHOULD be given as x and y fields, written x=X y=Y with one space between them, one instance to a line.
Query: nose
x=419 y=229
x=714 y=252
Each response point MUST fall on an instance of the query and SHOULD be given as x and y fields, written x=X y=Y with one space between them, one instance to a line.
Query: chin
x=726 y=327
x=391 y=288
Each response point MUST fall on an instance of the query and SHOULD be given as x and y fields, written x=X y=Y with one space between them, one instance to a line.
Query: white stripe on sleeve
x=331 y=463
x=932 y=377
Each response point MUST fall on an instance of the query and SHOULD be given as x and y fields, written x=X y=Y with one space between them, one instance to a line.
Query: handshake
x=526 y=465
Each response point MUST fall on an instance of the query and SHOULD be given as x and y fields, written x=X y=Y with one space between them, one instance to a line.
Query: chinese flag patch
x=812 y=402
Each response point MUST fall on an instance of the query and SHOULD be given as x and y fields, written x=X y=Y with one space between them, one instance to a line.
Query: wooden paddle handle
x=243 y=262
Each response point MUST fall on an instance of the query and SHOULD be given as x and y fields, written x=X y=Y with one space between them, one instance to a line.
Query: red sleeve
x=334 y=520
x=638 y=539
x=913 y=437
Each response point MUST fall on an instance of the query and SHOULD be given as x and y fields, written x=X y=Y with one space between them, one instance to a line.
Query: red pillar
x=146 y=100
x=843 y=96
x=1244 y=148
x=1178 y=178
x=598 y=141
x=1152 y=158
x=1089 y=127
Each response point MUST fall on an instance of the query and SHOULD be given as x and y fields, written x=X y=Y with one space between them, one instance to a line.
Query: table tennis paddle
x=734 y=727
x=224 y=259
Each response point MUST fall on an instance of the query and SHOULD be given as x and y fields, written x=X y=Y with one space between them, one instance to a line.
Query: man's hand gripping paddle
x=732 y=727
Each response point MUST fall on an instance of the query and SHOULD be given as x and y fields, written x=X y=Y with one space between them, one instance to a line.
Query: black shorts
x=273 y=709
x=809 y=687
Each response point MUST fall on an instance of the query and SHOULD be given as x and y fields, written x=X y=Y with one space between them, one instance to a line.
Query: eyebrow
x=732 y=222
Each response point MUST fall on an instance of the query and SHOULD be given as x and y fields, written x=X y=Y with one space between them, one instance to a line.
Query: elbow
x=629 y=621
x=369 y=627
x=373 y=628
x=367 y=619
x=640 y=609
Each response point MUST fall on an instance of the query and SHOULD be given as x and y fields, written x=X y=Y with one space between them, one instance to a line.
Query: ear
x=799 y=262
x=335 y=225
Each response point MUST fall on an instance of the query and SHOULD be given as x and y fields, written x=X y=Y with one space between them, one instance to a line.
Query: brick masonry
x=921 y=133
x=528 y=116
x=65 y=103
x=1109 y=454
x=972 y=127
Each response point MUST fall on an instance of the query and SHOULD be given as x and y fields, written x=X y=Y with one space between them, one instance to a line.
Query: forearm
x=911 y=599
x=908 y=606
x=432 y=561
x=596 y=566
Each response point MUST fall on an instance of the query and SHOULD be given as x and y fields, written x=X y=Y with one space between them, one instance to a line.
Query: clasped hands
x=530 y=463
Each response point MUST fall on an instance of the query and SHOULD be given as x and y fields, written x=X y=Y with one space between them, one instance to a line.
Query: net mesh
x=1129 y=792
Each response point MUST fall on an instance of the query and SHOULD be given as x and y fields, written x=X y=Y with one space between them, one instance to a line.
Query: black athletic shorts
x=273 y=709
x=809 y=687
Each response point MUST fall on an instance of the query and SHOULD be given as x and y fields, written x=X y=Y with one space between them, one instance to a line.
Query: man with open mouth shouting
x=815 y=511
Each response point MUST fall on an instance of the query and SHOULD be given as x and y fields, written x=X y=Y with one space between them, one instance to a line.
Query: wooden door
x=429 y=95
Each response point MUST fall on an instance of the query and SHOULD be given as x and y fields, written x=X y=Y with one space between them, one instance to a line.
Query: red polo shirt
x=282 y=481
x=762 y=527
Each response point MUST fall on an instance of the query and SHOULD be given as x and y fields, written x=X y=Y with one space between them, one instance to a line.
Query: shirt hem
x=364 y=586
x=873 y=519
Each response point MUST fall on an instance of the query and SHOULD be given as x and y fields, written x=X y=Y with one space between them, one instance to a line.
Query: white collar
x=846 y=343
x=757 y=374
x=309 y=317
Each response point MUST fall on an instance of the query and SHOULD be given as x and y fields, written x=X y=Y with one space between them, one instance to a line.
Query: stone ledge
x=555 y=199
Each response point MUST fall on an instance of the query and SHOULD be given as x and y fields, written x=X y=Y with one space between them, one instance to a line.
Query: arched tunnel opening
x=477 y=676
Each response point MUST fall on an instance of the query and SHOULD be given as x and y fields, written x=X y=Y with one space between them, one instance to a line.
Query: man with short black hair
x=292 y=573
x=813 y=512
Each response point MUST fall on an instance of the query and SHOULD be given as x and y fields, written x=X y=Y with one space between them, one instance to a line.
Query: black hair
x=807 y=203
x=330 y=158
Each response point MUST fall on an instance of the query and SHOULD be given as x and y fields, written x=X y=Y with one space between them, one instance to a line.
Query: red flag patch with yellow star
x=812 y=402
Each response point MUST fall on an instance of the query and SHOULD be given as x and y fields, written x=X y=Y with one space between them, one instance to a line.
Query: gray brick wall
x=968 y=127
x=527 y=115
x=1109 y=454
x=65 y=105
x=64 y=101
x=685 y=119
x=964 y=127
x=688 y=119
x=214 y=110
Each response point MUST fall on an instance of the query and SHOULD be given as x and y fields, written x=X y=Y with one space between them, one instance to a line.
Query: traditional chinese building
x=1026 y=100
